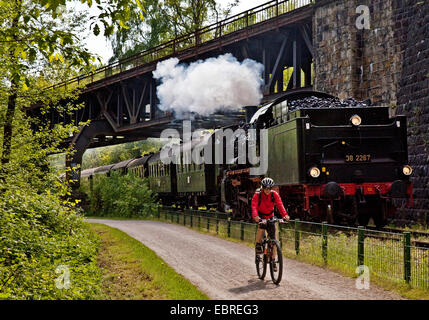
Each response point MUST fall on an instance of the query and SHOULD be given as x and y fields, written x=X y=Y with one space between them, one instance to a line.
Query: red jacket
x=267 y=205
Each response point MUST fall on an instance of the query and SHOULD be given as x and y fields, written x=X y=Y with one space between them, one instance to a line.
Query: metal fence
x=212 y=32
x=389 y=256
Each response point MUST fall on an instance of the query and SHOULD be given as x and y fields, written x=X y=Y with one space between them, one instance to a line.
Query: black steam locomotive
x=333 y=160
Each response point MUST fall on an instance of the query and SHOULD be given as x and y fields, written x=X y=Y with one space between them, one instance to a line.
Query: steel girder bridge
x=120 y=99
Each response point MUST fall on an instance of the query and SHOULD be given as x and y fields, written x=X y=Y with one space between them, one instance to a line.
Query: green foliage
x=38 y=233
x=120 y=196
x=39 y=230
x=113 y=154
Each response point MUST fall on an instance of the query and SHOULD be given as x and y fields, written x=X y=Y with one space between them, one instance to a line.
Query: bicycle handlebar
x=272 y=220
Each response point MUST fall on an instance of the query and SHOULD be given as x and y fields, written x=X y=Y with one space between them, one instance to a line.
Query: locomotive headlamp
x=356 y=120
x=407 y=170
x=314 y=172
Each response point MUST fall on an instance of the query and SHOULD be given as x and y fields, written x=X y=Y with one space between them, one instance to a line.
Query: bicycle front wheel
x=276 y=264
x=261 y=265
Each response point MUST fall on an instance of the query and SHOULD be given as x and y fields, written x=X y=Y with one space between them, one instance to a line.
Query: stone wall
x=412 y=31
x=352 y=62
x=388 y=63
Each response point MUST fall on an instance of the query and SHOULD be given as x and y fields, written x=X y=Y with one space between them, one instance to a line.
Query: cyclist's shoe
x=258 y=248
x=274 y=267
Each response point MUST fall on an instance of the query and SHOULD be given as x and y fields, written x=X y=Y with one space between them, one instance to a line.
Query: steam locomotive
x=332 y=160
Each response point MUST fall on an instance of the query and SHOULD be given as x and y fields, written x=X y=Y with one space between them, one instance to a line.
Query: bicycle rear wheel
x=276 y=276
x=261 y=264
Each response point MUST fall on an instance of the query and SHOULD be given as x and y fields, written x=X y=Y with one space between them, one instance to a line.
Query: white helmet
x=267 y=183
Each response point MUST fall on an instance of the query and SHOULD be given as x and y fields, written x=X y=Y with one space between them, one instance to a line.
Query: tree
x=39 y=44
x=34 y=34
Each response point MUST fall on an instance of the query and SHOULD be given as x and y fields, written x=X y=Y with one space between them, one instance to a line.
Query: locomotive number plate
x=358 y=157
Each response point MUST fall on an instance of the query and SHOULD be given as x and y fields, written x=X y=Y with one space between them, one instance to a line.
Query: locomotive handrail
x=259 y=14
x=340 y=126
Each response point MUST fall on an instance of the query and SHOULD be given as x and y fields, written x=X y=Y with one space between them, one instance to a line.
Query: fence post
x=184 y=217
x=217 y=223
x=229 y=227
x=280 y=234
x=177 y=217
x=297 y=234
x=208 y=223
x=192 y=219
x=325 y=242
x=361 y=246
x=159 y=212
x=199 y=220
x=241 y=230
x=407 y=256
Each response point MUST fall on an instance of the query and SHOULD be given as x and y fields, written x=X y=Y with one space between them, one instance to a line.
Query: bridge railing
x=212 y=32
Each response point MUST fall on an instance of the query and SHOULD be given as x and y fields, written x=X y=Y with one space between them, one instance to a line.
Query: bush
x=40 y=233
x=121 y=196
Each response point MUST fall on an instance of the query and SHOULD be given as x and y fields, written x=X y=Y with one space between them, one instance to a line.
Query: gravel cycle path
x=226 y=270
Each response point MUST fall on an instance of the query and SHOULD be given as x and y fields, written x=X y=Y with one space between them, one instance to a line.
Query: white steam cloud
x=204 y=87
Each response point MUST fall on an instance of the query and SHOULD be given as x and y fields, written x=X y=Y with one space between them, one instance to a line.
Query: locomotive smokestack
x=250 y=111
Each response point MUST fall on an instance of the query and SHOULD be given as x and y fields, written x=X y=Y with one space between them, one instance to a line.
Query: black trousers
x=271 y=229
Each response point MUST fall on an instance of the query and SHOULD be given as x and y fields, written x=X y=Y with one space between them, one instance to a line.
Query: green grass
x=131 y=271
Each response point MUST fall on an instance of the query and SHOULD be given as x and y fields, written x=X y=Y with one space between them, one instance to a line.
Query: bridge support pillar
x=79 y=145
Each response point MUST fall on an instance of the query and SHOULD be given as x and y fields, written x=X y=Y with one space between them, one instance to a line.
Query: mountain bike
x=266 y=257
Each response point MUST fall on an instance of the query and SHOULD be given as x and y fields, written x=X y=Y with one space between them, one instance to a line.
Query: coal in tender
x=315 y=102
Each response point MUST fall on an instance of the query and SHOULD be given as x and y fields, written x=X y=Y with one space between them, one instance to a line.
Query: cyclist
x=263 y=207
